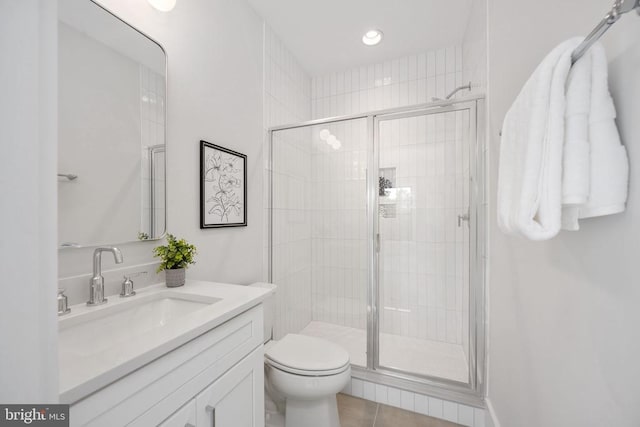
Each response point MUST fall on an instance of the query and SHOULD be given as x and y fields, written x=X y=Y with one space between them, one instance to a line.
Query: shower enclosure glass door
x=377 y=241
x=318 y=232
x=423 y=242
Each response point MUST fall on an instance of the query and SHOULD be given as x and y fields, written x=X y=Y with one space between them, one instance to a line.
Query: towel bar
x=619 y=7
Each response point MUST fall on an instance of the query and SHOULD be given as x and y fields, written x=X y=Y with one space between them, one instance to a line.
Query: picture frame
x=223 y=187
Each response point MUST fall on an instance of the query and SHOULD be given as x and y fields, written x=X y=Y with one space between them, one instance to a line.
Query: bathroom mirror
x=111 y=129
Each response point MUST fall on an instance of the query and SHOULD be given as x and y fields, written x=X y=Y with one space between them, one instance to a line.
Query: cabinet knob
x=212 y=409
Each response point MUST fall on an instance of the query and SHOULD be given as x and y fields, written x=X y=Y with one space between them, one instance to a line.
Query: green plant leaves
x=175 y=254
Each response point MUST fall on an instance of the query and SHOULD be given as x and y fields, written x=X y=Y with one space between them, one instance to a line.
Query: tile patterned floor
x=356 y=412
x=415 y=355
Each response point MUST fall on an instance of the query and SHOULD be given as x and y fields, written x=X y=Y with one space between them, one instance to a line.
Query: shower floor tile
x=351 y=339
x=415 y=355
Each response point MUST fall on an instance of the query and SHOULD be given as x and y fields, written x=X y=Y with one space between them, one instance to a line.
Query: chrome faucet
x=96 y=285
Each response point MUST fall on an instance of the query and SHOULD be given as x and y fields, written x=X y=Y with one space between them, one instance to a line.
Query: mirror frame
x=73 y=245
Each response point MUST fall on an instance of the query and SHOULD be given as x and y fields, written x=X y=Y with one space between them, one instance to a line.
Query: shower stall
x=377 y=241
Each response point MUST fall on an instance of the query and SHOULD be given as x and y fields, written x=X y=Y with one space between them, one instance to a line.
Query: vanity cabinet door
x=237 y=398
x=183 y=417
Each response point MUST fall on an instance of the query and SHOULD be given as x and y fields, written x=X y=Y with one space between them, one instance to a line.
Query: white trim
x=492 y=418
x=28 y=185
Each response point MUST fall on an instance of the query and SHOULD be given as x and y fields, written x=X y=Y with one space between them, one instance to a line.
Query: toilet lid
x=301 y=353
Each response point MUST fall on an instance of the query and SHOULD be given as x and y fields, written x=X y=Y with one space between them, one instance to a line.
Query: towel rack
x=619 y=8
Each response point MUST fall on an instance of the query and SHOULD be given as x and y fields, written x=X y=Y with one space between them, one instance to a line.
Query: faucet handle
x=127 y=287
x=63 y=303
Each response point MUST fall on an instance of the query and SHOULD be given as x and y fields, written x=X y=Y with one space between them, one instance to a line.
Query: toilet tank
x=269 y=307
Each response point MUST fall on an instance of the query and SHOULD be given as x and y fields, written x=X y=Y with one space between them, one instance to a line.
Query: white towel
x=531 y=151
x=560 y=157
x=603 y=168
x=609 y=162
x=576 y=166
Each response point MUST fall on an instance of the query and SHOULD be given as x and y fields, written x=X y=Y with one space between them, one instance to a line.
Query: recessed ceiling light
x=163 y=5
x=372 y=37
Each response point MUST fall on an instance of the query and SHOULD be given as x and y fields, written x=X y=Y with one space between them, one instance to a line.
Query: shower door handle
x=464 y=217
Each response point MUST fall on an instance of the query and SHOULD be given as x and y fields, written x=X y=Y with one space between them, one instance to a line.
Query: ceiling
x=325 y=35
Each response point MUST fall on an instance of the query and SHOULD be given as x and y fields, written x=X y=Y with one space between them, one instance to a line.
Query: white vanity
x=191 y=356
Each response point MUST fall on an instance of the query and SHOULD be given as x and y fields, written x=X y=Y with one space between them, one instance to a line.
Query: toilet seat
x=307 y=356
x=306 y=373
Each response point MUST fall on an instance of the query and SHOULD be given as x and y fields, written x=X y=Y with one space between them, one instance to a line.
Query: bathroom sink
x=98 y=329
x=100 y=344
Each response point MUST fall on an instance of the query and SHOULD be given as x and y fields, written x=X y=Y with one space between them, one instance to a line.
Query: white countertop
x=83 y=374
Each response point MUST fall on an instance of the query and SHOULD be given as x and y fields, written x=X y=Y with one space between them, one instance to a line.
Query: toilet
x=303 y=374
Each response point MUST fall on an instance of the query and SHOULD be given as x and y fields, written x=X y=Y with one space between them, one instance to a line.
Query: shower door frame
x=471 y=393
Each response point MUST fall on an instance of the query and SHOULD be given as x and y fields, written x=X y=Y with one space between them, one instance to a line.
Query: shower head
x=69 y=176
x=456 y=90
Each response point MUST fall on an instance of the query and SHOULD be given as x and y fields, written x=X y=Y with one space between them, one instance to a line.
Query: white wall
x=474 y=48
x=563 y=345
x=215 y=86
x=28 y=139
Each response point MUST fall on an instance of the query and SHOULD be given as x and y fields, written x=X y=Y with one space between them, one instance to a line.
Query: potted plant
x=175 y=257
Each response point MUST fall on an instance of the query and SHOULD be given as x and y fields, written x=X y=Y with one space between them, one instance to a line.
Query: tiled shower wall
x=409 y=80
x=338 y=203
x=287 y=99
x=424 y=255
x=400 y=82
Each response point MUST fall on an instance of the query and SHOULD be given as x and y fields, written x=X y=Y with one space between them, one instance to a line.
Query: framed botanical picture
x=223 y=187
